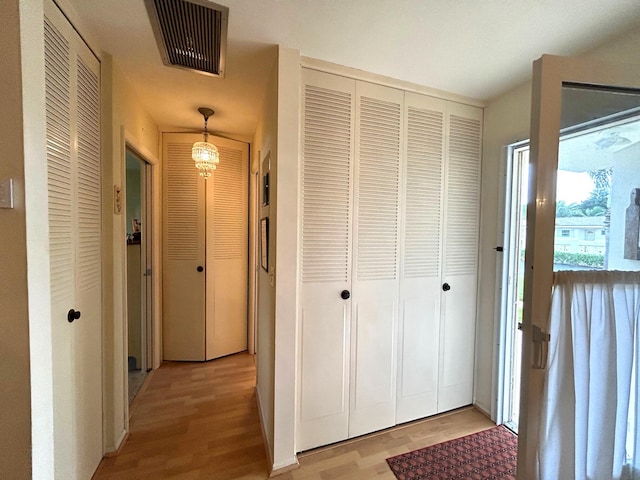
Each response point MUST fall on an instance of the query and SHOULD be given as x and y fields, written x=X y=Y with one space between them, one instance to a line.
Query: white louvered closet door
x=419 y=330
x=183 y=285
x=326 y=197
x=227 y=250
x=379 y=132
x=460 y=256
x=72 y=90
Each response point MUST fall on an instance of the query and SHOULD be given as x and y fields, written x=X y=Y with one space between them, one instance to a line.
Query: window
x=590 y=235
x=565 y=233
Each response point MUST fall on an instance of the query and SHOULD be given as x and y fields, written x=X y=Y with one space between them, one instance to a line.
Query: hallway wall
x=15 y=400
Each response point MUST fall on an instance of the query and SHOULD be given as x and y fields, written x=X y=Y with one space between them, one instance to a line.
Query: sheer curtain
x=588 y=424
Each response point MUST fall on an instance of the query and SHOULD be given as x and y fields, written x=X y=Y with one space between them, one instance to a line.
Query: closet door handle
x=73 y=315
x=446 y=287
x=344 y=294
x=200 y=268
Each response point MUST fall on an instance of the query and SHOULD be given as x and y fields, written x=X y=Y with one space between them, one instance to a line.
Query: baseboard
x=119 y=444
x=287 y=468
x=263 y=429
x=482 y=410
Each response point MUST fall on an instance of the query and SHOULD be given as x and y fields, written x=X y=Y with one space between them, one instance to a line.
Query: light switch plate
x=6 y=193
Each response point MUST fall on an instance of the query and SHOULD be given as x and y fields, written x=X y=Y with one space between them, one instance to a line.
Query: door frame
x=549 y=74
x=153 y=355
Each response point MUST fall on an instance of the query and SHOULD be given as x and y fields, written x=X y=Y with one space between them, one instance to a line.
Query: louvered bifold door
x=183 y=285
x=460 y=256
x=419 y=326
x=325 y=267
x=227 y=250
x=379 y=132
x=72 y=93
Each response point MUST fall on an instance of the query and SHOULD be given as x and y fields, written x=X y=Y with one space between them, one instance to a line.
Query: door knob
x=446 y=287
x=73 y=315
x=200 y=268
x=345 y=294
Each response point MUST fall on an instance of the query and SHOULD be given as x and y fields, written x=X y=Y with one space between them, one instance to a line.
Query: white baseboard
x=113 y=450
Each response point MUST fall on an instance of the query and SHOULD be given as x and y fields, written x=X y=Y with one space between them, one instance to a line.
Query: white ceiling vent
x=191 y=34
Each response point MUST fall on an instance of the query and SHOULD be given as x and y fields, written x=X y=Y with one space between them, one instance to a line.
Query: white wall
x=15 y=316
x=507 y=120
x=124 y=120
x=265 y=143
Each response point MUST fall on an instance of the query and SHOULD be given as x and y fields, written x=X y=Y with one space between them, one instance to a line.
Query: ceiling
x=474 y=48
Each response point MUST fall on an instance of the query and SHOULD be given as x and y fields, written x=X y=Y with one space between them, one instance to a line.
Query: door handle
x=73 y=315
x=200 y=268
x=344 y=294
x=446 y=287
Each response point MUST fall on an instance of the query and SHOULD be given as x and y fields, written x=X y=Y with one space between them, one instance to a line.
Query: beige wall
x=265 y=144
x=506 y=121
x=124 y=121
x=15 y=401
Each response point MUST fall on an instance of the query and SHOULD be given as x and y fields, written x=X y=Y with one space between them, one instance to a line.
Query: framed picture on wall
x=264 y=243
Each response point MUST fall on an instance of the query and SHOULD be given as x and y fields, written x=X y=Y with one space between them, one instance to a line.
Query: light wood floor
x=200 y=421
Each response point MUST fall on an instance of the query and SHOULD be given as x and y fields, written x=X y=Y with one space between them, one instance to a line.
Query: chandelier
x=205 y=154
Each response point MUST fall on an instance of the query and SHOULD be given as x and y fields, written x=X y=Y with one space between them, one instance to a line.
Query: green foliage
x=579 y=259
x=596 y=204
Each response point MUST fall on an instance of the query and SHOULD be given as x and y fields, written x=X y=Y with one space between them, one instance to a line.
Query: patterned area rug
x=484 y=455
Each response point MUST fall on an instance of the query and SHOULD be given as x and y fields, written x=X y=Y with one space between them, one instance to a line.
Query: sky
x=573 y=187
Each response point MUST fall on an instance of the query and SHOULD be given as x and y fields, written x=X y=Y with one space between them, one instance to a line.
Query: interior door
x=553 y=111
x=72 y=86
x=326 y=243
x=183 y=287
x=227 y=267
x=379 y=130
x=419 y=332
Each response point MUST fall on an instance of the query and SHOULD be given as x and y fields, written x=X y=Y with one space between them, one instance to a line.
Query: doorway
x=139 y=289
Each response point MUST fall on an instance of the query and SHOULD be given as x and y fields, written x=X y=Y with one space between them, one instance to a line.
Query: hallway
x=197 y=421
x=194 y=421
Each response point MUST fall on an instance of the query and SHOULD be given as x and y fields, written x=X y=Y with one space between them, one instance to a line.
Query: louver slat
x=425 y=131
x=88 y=179
x=378 y=186
x=228 y=206
x=57 y=95
x=326 y=184
x=463 y=196
x=182 y=204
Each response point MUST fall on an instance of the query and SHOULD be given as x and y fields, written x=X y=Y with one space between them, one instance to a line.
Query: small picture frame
x=264 y=243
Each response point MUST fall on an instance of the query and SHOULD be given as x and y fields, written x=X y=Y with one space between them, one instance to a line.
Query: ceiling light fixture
x=205 y=154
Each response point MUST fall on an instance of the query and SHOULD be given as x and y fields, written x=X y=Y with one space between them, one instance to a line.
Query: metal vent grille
x=191 y=34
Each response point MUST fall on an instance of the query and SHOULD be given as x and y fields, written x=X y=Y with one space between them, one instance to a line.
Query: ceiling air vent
x=191 y=34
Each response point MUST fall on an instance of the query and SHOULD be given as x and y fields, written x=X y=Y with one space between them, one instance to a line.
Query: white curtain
x=589 y=408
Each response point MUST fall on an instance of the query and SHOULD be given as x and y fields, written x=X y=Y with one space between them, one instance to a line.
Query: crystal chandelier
x=205 y=154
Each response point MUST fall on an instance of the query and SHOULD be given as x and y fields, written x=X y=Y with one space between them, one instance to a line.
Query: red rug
x=484 y=455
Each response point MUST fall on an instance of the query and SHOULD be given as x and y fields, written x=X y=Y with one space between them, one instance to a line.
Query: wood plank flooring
x=199 y=421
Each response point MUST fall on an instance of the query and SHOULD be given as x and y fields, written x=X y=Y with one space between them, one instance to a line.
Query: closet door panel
x=379 y=130
x=227 y=250
x=420 y=290
x=325 y=268
x=460 y=256
x=183 y=286
x=72 y=95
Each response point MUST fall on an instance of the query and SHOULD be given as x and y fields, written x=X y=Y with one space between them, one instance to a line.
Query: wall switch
x=6 y=193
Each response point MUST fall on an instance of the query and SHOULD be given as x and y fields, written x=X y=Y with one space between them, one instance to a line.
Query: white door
x=206 y=252
x=379 y=133
x=183 y=284
x=72 y=79
x=325 y=272
x=460 y=256
x=419 y=331
x=557 y=83
x=227 y=268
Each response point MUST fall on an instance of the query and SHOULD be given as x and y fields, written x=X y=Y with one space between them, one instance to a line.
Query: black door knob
x=446 y=287
x=200 y=268
x=345 y=294
x=73 y=315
